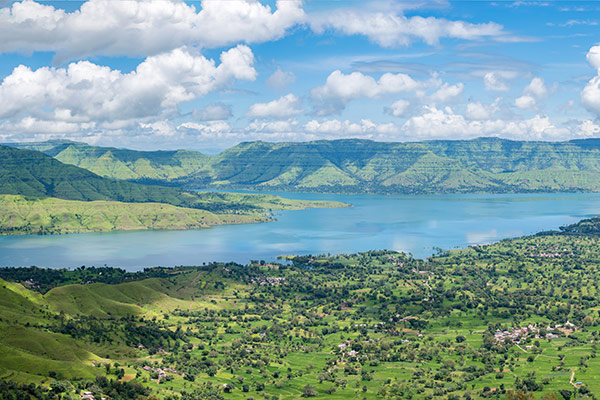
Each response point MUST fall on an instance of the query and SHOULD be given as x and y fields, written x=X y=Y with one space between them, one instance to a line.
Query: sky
x=206 y=75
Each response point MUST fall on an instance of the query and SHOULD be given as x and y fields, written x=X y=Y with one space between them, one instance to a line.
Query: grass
x=28 y=215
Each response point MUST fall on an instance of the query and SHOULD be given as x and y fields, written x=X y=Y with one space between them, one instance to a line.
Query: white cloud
x=366 y=128
x=444 y=123
x=84 y=91
x=281 y=79
x=213 y=112
x=573 y=22
x=283 y=107
x=399 y=108
x=590 y=95
x=588 y=128
x=340 y=88
x=390 y=30
x=272 y=126
x=494 y=82
x=212 y=128
x=479 y=111
x=536 y=88
x=525 y=102
x=593 y=57
x=130 y=27
x=31 y=125
x=447 y=92
x=534 y=91
x=160 y=128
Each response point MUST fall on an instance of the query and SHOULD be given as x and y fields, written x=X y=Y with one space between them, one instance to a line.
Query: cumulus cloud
x=135 y=27
x=478 y=111
x=391 y=30
x=493 y=82
x=281 y=79
x=588 y=128
x=213 y=112
x=87 y=92
x=30 y=125
x=525 y=102
x=366 y=128
x=212 y=128
x=283 y=107
x=447 y=92
x=590 y=95
x=399 y=108
x=273 y=126
x=340 y=88
x=593 y=57
x=445 y=123
x=536 y=88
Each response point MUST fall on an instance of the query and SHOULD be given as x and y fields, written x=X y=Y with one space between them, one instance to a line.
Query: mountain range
x=353 y=166
x=40 y=194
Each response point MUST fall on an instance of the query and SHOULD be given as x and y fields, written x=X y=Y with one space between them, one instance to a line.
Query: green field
x=23 y=215
x=515 y=319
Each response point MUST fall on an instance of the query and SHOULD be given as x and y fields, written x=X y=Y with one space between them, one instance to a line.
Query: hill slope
x=39 y=194
x=32 y=173
x=22 y=215
x=123 y=164
x=479 y=165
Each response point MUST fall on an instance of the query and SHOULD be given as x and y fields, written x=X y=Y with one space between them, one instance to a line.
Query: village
x=520 y=335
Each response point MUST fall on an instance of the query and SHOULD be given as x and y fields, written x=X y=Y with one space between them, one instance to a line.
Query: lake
x=414 y=224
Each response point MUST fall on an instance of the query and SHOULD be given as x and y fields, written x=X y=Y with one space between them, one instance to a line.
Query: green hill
x=32 y=173
x=39 y=194
x=355 y=166
x=123 y=164
x=35 y=174
x=32 y=215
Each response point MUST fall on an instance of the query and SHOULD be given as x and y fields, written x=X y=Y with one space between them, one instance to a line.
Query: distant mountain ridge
x=32 y=173
x=354 y=166
x=35 y=174
x=41 y=195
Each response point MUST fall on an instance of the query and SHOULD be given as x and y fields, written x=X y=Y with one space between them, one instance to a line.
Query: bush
x=309 y=391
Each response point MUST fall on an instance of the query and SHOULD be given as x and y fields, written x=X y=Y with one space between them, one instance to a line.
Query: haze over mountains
x=354 y=166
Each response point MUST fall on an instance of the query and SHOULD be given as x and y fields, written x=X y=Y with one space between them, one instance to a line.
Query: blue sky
x=209 y=74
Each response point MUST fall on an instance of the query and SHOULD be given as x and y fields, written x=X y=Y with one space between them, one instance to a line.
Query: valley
x=517 y=316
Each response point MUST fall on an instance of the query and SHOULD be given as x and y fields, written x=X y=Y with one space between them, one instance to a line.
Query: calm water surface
x=413 y=224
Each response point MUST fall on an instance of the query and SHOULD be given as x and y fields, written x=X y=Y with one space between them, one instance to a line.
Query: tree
x=309 y=391
x=58 y=387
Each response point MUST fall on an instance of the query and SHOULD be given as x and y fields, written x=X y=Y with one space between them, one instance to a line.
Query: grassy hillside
x=28 y=215
x=31 y=173
x=356 y=166
x=517 y=319
x=123 y=163
x=39 y=194
x=32 y=215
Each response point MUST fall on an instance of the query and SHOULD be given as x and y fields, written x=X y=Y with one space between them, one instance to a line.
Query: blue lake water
x=413 y=224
